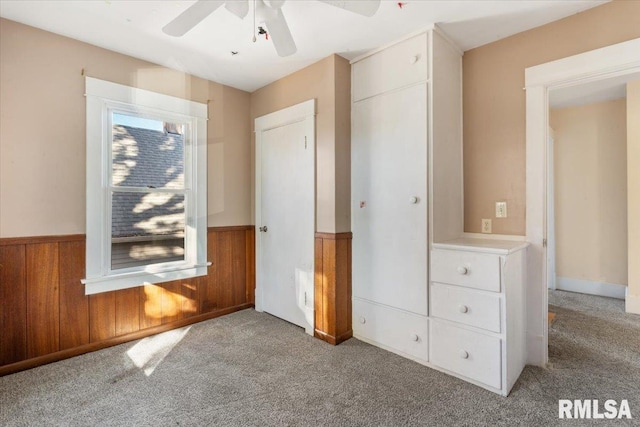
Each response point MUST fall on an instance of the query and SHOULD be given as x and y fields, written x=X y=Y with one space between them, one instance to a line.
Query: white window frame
x=104 y=98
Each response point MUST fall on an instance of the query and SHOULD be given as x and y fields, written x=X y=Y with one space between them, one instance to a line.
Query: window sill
x=114 y=282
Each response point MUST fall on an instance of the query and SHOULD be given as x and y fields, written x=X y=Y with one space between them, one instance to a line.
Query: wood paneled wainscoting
x=332 y=298
x=45 y=315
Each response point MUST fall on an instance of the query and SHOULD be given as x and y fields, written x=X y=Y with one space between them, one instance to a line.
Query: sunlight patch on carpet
x=149 y=352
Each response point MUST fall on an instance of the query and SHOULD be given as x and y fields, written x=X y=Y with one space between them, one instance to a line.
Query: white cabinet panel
x=397 y=330
x=471 y=354
x=397 y=66
x=470 y=269
x=389 y=199
x=473 y=308
x=495 y=269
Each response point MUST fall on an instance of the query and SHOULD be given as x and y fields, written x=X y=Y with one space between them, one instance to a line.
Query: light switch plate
x=501 y=209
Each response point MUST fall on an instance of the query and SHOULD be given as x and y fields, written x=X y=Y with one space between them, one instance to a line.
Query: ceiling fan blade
x=240 y=8
x=281 y=35
x=361 y=7
x=274 y=4
x=191 y=17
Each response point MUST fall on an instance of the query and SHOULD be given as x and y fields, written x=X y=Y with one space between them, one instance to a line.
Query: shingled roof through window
x=149 y=159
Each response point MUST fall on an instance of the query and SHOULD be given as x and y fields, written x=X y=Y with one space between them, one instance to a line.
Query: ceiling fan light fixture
x=268 y=12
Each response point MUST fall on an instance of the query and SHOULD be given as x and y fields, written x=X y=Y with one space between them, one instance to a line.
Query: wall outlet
x=501 y=209
x=486 y=226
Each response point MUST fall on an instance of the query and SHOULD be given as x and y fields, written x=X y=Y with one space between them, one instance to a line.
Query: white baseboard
x=632 y=304
x=602 y=289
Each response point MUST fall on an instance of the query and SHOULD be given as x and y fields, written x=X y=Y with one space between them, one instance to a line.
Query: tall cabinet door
x=389 y=196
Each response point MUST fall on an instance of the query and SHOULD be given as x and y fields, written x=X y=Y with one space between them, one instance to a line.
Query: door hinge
x=544 y=243
x=305 y=147
x=305 y=298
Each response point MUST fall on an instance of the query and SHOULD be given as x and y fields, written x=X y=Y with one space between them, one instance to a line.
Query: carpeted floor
x=250 y=368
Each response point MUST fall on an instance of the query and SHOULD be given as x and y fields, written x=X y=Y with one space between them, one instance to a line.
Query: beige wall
x=494 y=105
x=633 y=201
x=229 y=157
x=343 y=144
x=590 y=175
x=329 y=82
x=42 y=130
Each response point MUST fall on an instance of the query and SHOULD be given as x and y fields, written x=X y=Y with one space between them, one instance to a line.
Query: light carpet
x=252 y=369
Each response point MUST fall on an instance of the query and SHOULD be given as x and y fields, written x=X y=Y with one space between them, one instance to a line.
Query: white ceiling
x=135 y=28
x=592 y=92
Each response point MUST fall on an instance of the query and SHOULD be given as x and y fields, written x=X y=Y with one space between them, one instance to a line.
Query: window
x=146 y=187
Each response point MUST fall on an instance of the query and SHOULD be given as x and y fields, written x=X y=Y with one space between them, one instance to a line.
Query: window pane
x=147 y=152
x=146 y=228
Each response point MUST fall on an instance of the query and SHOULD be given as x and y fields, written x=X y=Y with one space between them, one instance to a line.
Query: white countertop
x=473 y=244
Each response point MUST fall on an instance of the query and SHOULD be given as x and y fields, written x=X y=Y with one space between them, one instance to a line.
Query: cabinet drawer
x=397 y=66
x=472 y=308
x=470 y=354
x=395 y=329
x=470 y=269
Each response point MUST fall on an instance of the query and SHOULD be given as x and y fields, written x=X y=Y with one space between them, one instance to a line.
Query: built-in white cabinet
x=445 y=307
x=393 y=67
x=477 y=311
x=396 y=330
x=392 y=122
x=389 y=216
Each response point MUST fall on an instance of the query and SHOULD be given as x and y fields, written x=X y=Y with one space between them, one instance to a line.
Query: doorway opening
x=587 y=256
x=587 y=188
x=617 y=61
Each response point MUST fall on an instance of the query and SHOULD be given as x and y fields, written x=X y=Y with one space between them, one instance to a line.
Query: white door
x=389 y=199
x=285 y=214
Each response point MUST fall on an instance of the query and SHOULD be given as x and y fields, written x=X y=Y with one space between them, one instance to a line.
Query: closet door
x=389 y=198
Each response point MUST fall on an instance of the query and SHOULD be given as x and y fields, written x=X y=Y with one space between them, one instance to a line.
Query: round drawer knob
x=363 y=320
x=463 y=308
x=415 y=337
x=414 y=59
x=462 y=270
x=463 y=354
x=413 y=200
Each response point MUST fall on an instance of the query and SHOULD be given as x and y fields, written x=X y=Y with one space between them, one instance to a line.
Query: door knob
x=263 y=229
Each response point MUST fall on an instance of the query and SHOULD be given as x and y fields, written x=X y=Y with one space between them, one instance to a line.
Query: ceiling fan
x=268 y=12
